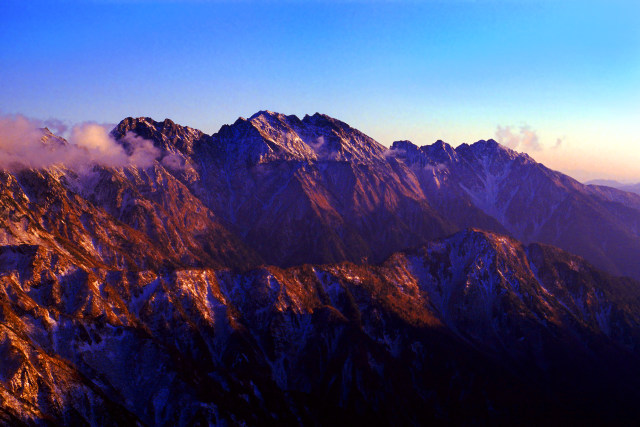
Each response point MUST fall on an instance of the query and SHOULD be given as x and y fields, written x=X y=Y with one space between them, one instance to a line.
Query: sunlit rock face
x=473 y=327
x=295 y=271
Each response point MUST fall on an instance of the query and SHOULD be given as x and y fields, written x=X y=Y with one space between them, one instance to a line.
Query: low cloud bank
x=25 y=144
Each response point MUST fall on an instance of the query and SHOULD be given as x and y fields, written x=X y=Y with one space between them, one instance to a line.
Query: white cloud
x=22 y=145
x=525 y=140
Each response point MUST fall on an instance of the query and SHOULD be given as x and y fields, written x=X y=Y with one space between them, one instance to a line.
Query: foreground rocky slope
x=473 y=327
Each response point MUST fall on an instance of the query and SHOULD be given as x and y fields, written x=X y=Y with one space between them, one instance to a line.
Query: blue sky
x=451 y=70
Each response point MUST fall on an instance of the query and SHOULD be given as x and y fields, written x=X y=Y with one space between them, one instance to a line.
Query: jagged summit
x=440 y=152
x=488 y=143
x=268 y=135
x=165 y=135
x=437 y=153
x=481 y=184
x=49 y=138
x=264 y=136
x=265 y=113
x=319 y=119
x=403 y=144
x=491 y=147
x=271 y=115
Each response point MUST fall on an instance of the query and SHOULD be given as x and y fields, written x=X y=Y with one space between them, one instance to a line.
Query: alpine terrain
x=296 y=272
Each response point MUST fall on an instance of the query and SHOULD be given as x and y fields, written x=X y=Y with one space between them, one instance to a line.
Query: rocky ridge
x=295 y=271
x=473 y=327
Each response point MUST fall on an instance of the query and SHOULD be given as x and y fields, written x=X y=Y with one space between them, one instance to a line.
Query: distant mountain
x=631 y=188
x=532 y=202
x=346 y=197
x=301 y=191
x=295 y=271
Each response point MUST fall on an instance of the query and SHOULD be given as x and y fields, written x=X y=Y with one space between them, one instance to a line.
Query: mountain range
x=630 y=188
x=296 y=271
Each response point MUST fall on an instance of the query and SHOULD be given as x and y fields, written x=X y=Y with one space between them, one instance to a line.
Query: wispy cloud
x=526 y=139
x=23 y=145
x=394 y=152
x=558 y=143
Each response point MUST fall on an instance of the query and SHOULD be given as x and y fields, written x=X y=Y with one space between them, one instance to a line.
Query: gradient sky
x=451 y=70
